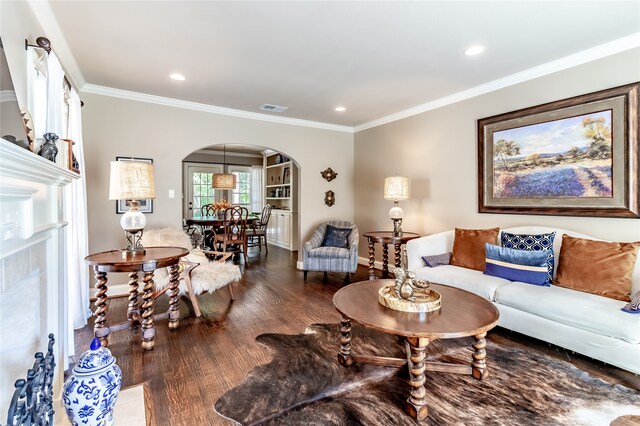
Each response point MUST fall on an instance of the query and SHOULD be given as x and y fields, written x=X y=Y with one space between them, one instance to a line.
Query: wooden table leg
x=416 y=404
x=148 y=329
x=344 y=356
x=372 y=253
x=479 y=365
x=100 y=329
x=174 y=308
x=385 y=260
x=396 y=249
x=132 y=309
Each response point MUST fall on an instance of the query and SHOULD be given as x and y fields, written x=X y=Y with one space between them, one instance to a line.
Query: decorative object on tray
x=49 y=149
x=396 y=188
x=409 y=294
x=329 y=174
x=329 y=198
x=558 y=158
x=91 y=391
x=132 y=181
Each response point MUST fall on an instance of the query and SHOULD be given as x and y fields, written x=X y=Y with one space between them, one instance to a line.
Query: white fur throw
x=208 y=276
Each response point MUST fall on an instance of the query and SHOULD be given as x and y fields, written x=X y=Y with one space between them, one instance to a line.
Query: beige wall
x=437 y=151
x=117 y=127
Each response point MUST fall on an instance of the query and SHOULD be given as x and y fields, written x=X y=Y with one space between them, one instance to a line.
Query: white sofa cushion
x=586 y=311
x=466 y=279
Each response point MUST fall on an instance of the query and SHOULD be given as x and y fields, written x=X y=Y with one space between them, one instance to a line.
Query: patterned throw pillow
x=527 y=266
x=336 y=237
x=633 y=307
x=437 y=259
x=530 y=243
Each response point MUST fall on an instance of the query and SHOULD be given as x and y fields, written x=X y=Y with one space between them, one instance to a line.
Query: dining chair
x=233 y=236
x=259 y=229
x=207 y=231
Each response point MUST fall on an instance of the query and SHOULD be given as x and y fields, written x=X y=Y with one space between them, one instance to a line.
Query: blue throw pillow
x=336 y=237
x=437 y=259
x=633 y=307
x=532 y=242
x=517 y=265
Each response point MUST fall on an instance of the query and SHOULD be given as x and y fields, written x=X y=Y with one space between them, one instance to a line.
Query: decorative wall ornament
x=329 y=174
x=329 y=198
x=572 y=157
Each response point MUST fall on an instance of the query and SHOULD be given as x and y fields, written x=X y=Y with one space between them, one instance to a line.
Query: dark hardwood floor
x=191 y=367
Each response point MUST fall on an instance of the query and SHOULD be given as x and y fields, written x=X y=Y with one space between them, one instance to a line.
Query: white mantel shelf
x=19 y=163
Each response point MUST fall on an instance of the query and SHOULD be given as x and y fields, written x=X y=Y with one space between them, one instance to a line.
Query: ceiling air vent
x=273 y=108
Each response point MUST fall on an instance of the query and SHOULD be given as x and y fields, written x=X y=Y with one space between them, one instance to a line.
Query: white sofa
x=582 y=322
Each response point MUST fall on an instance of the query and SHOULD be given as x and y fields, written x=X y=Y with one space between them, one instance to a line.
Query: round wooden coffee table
x=462 y=314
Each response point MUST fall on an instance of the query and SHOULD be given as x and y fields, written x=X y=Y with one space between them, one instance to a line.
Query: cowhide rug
x=304 y=384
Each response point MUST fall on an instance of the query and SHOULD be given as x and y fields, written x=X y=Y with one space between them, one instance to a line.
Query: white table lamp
x=396 y=188
x=132 y=181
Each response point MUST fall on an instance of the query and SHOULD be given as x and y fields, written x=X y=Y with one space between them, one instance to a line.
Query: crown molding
x=177 y=103
x=579 y=58
x=44 y=15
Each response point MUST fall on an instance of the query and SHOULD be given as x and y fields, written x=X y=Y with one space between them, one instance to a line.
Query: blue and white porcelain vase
x=91 y=391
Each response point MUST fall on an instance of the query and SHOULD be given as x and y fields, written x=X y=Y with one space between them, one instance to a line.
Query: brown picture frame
x=502 y=183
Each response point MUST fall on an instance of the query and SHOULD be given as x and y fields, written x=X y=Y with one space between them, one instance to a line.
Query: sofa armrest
x=427 y=246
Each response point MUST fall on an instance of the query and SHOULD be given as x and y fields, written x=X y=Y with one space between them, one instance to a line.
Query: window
x=198 y=189
x=241 y=195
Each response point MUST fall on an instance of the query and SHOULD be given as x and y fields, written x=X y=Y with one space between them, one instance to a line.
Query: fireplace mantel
x=33 y=250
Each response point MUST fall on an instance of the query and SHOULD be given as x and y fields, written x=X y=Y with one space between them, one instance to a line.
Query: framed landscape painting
x=575 y=157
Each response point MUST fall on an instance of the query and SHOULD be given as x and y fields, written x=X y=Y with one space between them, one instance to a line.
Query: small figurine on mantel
x=49 y=149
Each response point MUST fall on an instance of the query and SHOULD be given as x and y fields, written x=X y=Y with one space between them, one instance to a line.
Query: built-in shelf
x=277 y=185
x=286 y=163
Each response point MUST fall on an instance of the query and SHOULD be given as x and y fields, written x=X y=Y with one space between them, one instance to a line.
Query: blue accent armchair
x=331 y=259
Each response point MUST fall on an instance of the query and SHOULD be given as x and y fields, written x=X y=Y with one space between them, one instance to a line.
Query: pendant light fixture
x=223 y=180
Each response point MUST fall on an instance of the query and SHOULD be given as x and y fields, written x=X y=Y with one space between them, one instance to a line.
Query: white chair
x=197 y=273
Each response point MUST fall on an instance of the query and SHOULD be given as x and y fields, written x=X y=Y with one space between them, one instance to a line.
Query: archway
x=263 y=175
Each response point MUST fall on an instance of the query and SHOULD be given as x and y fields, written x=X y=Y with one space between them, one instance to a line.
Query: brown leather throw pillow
x=597 y=267
x=468 y=247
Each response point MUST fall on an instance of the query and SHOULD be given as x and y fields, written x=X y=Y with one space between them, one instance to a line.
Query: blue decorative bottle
x=91 y=391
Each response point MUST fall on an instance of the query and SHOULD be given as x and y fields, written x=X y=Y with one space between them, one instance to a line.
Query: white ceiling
x=374 y=58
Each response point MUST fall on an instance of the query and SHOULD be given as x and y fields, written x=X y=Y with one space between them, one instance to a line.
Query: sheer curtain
x=77 y=231
x=69 y=125
x=257 y=196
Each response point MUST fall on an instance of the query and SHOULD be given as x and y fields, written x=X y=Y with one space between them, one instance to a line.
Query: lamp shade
x=223 y=181
x=131 y=180
x=396 y=188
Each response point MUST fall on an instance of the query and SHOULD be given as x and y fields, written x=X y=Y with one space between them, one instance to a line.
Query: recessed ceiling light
x=340 y=109
x=177 y=76
x=474 y=50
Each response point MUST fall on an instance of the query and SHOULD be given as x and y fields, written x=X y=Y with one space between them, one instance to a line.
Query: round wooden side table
x=153 y=258
x=385 y=238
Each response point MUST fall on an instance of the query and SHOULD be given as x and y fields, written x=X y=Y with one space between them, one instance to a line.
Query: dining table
x=214 y=222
